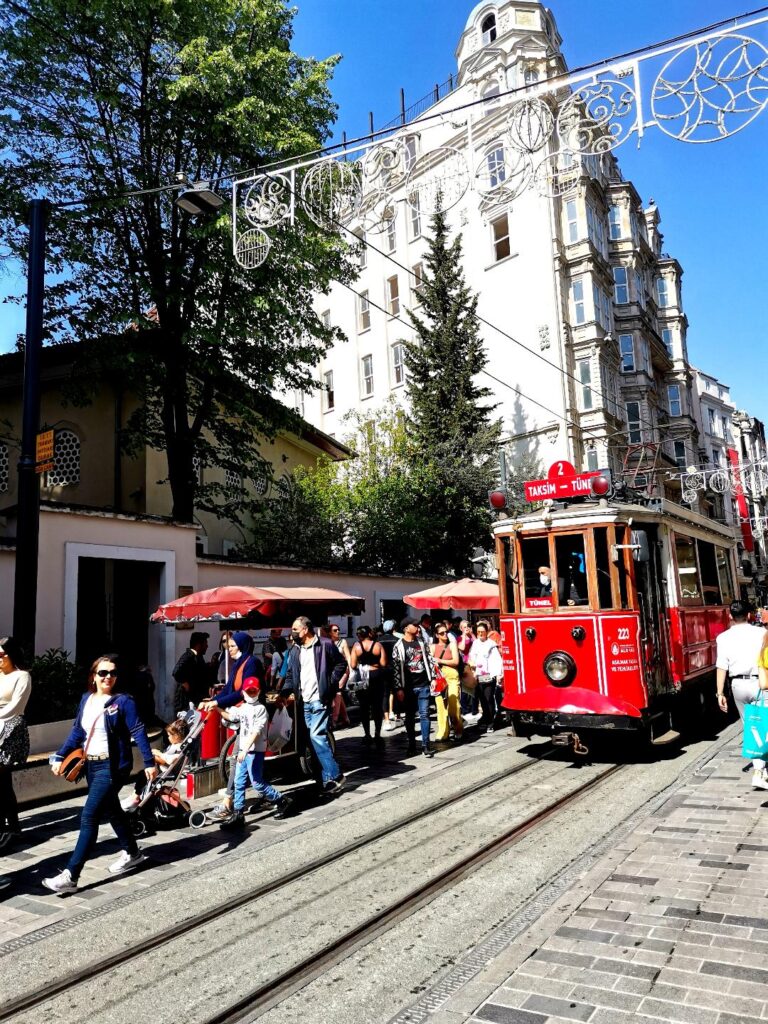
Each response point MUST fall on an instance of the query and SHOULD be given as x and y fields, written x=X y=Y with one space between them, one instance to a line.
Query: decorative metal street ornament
x=707 y=90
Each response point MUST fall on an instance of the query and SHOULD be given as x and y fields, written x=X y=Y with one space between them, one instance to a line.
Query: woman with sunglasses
x=104 y=726
x=15 y=687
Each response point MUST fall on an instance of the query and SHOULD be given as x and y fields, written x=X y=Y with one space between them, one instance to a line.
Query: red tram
x=609 y=614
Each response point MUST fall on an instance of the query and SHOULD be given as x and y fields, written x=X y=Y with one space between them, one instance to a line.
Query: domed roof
x=484 y=5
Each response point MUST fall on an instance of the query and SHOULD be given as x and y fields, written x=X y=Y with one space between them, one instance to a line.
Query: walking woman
x=485 y=659
x=369 y=653
x=15 y=687
x=445 y=654
x=103 y=728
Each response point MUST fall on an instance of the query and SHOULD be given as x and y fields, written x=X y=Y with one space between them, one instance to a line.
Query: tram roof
x=593 y=513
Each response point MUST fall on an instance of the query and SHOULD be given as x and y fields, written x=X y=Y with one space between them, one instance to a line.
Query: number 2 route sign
x=562 y=482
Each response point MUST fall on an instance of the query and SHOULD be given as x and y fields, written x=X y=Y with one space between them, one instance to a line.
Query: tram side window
x=710 y=585
x=603 y=566
x=535 y=552
x=725 y=572
x=687 y=571
x=508 y=550
x=571 y=569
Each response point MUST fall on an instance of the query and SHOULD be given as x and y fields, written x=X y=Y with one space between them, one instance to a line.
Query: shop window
x=687 y=571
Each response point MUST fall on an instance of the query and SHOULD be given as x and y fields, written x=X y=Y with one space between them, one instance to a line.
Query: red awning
x=263 y=602
x=460 y=594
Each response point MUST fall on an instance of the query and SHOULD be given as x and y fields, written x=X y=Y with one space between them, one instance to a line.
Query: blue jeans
x=317 y=717
x=417 y=699
x=251 y=769
x=103 y=802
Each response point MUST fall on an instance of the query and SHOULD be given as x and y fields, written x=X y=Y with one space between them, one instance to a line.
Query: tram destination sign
x=562 y=482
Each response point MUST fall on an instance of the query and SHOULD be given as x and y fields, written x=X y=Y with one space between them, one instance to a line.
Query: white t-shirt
x=310 y=690
x=92 y=712
x=738 y=649
x=251 y=717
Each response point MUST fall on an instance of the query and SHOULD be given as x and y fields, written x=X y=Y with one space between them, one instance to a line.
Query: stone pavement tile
x=577 y=975
x=540 y=986
x=605 y=997
x=508 y=1015
x=446 y=1017
x=726 y=1002
x=676 y=1012
x=569 y=1009
x=603 y=1016
x=691 y=980
x=635 y=986
x=737 y=1018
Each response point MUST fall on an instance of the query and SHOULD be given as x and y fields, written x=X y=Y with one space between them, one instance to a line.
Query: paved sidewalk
x=670 y=925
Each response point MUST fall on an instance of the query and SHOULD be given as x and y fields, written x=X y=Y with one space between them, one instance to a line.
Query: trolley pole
x=28 y=507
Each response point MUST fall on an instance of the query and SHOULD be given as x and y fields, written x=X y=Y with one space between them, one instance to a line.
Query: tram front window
x=571 y=565
x=535 y=551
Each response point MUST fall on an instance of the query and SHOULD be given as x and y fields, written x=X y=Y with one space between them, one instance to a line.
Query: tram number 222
x=623 y=633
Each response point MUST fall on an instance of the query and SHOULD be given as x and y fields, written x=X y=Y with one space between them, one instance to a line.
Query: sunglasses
x=104 y=672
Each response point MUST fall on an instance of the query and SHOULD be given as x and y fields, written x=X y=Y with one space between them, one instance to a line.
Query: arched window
x=4 y=468
x=495 y=168
x=531 y=76
x=488 y=29
x=66 y=460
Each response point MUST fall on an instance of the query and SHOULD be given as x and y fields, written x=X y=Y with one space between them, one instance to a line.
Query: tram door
x=653 y=608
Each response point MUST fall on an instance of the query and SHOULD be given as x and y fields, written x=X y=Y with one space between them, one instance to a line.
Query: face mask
x=544 y=581
x=295 y=636
x=250 y=698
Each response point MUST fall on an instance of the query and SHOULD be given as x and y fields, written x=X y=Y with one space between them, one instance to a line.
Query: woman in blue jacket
x=104 y=725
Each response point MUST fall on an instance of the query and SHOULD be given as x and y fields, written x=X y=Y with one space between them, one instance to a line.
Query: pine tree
x=454 y=435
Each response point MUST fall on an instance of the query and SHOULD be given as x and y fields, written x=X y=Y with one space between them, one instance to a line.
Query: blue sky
x=712 y=197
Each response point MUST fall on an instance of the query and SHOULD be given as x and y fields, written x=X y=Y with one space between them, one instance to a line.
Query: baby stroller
x=161 y=805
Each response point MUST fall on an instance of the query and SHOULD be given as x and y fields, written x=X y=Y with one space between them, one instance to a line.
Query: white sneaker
x=131 y=803
x=62 y=884
x=126 y=862
x=390 y=725
x=759 y=779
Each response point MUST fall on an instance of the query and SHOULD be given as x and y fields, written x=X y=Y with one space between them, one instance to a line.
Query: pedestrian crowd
x=392 y=675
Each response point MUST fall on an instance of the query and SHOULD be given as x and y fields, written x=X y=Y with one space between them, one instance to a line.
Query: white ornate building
x=581 y=308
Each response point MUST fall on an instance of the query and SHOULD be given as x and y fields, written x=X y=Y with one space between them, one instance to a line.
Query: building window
x=596 y=229
x=666 y=337
x=366 y=372
x=571 y=221
x=603 y=311
x=663 y=293
x=680 y=456
x=414 y=205
x=363 y=312
x=398 y=363
x=726 y=430
x=501 y=246
x=488 y=29
x=531 y=76
x=620 y=286
x=325 y=319
x=584 y=376
x=330 y=397
x=712 y=422
x=197 y=468
x=673 y=397
x=233 y=482
x=491 y=98
x=4 y=468
x=360 y=236
x=614 y=222
x=634 y=432
x=411 y=151
x=298 y=401
x=716 y=457
x=591 y=458
x=639 y=289
x=393 y=296
x=494 y=162
x=66 y=460
x=577 y=295
x=418 y=282
x=627 y=353
x=392 y=230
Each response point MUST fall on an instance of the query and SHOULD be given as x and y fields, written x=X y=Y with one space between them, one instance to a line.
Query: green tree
x=454 y=435
x=113 y=96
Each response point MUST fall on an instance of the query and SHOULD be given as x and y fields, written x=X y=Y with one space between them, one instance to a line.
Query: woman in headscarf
x=15 y=687
x=243 y=664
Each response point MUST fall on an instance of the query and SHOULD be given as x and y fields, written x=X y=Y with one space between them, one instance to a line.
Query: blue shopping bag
x=755 y=743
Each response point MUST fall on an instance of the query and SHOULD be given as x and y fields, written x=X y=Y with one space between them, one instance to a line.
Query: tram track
x=289 y=980
x=157 y=940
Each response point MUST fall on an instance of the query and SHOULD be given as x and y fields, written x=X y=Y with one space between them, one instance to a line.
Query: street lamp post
x=28 y=506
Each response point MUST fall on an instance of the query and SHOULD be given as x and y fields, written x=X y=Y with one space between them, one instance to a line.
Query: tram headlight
x=559 y=668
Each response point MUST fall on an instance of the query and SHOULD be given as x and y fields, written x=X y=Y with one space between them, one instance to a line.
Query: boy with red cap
x=253 y=721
